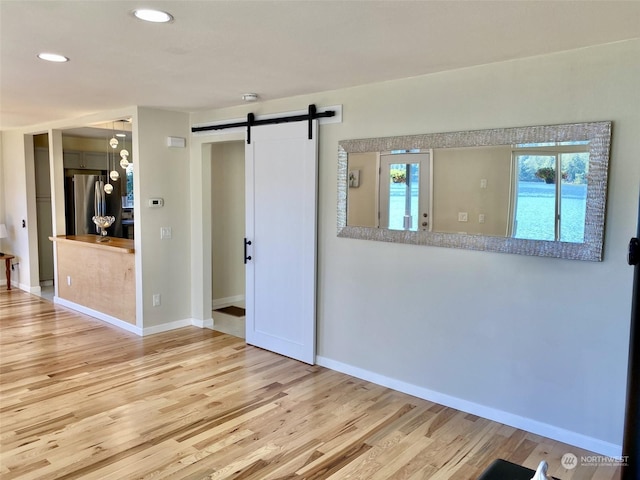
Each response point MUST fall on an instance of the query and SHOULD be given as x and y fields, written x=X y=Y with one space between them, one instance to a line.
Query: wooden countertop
x=123 y=245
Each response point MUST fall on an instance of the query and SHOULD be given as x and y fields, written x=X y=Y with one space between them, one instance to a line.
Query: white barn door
x=281 y=197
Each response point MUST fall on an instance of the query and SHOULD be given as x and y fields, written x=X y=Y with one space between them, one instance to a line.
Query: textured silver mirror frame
x=597 y=133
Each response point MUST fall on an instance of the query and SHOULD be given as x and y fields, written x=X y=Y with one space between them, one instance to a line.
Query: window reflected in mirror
x=129 y=186
x=549 y=205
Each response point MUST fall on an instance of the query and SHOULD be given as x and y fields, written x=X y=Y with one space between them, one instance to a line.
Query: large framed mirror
x=537 y=190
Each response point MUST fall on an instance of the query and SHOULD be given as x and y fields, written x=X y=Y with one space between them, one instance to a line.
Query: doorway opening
x=227 y=237
x=44 y=218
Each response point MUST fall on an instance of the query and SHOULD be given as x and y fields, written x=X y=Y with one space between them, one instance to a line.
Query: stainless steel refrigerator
x=89 y=199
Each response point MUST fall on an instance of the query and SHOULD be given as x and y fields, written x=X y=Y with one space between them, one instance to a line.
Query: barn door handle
x=246 y=243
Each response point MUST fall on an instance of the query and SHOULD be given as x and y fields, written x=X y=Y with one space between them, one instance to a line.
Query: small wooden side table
x=7 y=266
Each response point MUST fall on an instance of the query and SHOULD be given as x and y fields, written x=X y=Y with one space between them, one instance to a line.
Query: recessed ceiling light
x=53 y=57
x=250 y=97
x=149 y=15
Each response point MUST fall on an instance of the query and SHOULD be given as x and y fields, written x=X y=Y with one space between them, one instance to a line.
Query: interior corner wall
x=162 y=172
x=362 y=206
x=537 y=342
x=228 y=220
x=15 y=193
x=3 y=242
x=2 y=187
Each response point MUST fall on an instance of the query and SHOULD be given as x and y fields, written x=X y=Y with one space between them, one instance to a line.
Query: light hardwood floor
x=83 y=399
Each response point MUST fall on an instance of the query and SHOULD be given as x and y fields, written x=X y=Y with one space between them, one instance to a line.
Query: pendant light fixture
x=108 y=188
x=124 y=153
x=113 y=174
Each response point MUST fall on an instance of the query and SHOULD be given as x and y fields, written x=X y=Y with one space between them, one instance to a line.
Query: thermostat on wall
x=156 y=202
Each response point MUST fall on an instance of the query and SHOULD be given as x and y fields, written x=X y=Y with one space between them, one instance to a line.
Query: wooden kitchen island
x=99 y=276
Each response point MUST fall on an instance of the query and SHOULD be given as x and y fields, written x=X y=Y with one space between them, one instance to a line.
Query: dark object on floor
x=232 y=310
x=503 y=470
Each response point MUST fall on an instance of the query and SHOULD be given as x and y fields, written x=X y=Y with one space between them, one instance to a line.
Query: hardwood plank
x=80 y=398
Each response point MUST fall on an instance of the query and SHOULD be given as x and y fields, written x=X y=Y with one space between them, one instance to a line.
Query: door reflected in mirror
x=405 y=193
x=525 y=184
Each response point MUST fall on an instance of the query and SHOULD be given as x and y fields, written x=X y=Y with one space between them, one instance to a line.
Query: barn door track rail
x=312 y=114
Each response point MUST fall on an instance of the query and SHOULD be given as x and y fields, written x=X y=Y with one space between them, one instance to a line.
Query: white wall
x=18 y=191
x=540 y=343
x=160 y=171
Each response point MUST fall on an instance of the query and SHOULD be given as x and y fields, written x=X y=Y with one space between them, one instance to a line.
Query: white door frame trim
x=200 y=212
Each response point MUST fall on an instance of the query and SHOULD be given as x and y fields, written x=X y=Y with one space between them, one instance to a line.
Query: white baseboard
x=506 y=418
x=206 y=323
x=20 y=286
x=227 y=301
x=99 y=315
x=27 y=288
x=165 y=327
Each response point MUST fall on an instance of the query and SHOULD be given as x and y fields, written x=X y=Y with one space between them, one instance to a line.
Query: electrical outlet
x=156 y=300
x=483 y=183
x=481 y=218
x=165 y=232
x=463 y=217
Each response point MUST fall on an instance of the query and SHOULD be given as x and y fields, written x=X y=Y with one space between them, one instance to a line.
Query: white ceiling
x=215 y=51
